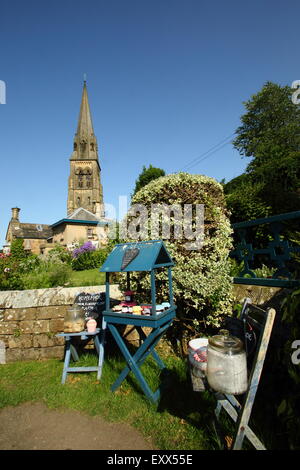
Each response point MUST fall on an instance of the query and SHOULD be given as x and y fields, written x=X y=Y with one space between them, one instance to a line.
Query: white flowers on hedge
x=201 y=280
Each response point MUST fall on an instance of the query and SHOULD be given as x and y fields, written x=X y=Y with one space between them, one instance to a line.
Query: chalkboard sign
x=92 y=304
x=129 y=256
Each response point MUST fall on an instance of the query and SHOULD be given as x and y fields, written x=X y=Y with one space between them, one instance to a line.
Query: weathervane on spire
x=84 y=77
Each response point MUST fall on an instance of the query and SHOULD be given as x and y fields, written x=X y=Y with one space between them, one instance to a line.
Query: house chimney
x=15 y=213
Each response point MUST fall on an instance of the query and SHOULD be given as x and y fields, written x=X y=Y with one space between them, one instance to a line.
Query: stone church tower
x=85 y=211
x=85 y=189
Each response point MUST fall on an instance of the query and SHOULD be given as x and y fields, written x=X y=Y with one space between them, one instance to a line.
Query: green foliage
x=236 y=268
x=89 y=260
x=11 y=281
x=90 y=277
x=10 y=278
x=29 y=264
x=50 y=270
x=288 y=409
x=270 y=127
x=243 y=199
x=201 y=281
x=17 y=249
x=47 y=275
x=147 y=175
x=60 y=253
x=270 y=135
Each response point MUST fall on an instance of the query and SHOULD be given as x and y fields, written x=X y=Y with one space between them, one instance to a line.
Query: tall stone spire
x=85 y=126
x=85 y=189
x=85 y=142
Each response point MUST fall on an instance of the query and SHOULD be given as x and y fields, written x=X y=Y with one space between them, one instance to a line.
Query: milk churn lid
x=226 y=343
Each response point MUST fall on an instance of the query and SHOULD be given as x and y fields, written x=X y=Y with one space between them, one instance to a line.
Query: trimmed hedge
x=201 y=280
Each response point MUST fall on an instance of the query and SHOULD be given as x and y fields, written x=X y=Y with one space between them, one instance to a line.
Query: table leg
x=133 y=366
x=74 y=353
x=155 y=356
x=67 y=360
x=100 y=345
x=134 y=362
x=100 y=349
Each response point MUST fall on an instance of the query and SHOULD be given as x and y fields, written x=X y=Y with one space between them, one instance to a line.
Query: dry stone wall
x=259 y=295
x=30 y=320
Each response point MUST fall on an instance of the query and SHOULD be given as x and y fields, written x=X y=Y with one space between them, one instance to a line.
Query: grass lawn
x=182 y=420
x=90 y=277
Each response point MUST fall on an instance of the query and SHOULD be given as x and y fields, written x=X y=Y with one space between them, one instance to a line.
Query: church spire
x=85 y=188
x=85 y=125
x=85 y=142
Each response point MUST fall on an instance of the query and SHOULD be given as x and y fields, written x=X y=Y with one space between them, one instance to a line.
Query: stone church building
x=85 y=219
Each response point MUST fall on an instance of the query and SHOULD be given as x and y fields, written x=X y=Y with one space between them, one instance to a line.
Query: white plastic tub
x=198 y=356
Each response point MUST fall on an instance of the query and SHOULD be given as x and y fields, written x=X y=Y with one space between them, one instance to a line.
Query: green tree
x=147 y=175
x=243 y=199
x=270 y=127
x=270 y=135
x=17 y=249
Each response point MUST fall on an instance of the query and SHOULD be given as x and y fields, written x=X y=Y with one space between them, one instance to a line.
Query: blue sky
x=166 y=82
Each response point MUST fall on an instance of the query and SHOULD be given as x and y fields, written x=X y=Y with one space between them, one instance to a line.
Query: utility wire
x=208 y=153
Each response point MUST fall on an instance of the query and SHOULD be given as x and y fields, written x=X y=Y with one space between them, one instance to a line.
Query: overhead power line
x=208 y=153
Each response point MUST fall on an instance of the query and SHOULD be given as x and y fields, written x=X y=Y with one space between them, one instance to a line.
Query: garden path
x=33 y=426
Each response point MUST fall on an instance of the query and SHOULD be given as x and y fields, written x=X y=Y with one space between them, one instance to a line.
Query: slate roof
x=37 y=231
x=83 y=214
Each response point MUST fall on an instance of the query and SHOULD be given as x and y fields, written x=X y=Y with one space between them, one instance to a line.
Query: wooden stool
x=71 y=351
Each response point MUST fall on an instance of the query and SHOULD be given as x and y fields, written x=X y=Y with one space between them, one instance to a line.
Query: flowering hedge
x=10 y=278
x=86 y=247
x=201 y=281
x=87 y=257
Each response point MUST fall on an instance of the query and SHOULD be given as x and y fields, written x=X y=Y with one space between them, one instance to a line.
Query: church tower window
x=80 y=179
x=83 y=145
x=88 y=181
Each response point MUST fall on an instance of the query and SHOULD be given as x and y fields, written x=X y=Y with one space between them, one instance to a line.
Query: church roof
x=82 y=216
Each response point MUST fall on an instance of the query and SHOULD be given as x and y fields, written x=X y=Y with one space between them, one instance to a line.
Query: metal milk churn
x=226 y=364
x=74 y=321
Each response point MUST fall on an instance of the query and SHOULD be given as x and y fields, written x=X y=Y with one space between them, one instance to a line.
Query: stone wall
x=30 y=320
x=259 y=295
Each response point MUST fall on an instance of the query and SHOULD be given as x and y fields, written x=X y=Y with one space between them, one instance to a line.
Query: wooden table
x=159 y=325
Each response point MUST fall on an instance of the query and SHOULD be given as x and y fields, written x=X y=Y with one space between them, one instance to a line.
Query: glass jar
x=74 y=321
x=226 y=364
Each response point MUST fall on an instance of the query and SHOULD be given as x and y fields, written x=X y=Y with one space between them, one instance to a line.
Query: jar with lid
x=74 y=321
x=226 y=364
